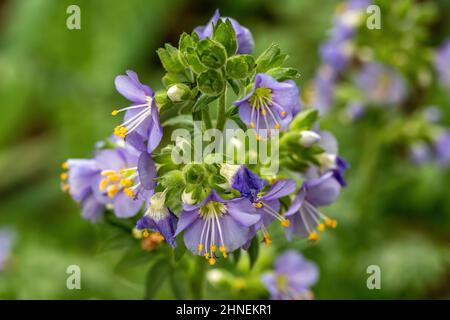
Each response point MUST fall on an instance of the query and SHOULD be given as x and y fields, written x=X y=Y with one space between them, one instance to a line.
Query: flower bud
x=327 y=161
x=194 y=174
x=179 y=92
x=308 y=138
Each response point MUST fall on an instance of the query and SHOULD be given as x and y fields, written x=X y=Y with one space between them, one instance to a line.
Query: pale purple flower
x=126 y=179
x=141 y=127
x=324 y=87
x=82 y=180
x=292 y=278
x=442 y=148
x=159 y=218
x=243 y=35
x=216 y=224
x=442 y=63
x=381 y=84
x=419 y=153
x=243 y=180
x=330 y=159
x=355 y=110
x=270 y=104
x=336 y=54
x=303 y=214
x=6 y=243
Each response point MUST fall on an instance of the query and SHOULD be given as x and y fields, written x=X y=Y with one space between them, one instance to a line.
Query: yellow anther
x=258 y=205
x=112 y=190
x=103 y=184
x=136 y=233
x=64 y=176
x=267 y=240
x=212 y=261
x=213 y=247
x=313 y=236
x=65 y=165
x=145 y=234
x=128 y=192
x=277 y=126
x=126 y=182
x=258 y=137
x=65 y=187
x=321 y=227
x=206 y=255
x=113 y=177
x=264 y=112
x=283 y=113
x=331 y=223
x=106 y=173
x=200 y=247
x=252 y=125
x=120 y=131
x=114 y=113
x=285 y=223
x=222 y=249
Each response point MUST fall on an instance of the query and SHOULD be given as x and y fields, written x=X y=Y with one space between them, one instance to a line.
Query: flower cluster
x=221 y=206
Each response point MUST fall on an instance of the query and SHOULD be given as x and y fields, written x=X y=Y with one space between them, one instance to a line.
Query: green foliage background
x=56 y=95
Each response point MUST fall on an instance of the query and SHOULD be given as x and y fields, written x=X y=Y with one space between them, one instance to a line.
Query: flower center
x=211 y=209
x=123 y=180
x=260 y=97
x=261 y=103
x=134 y=122
x=157 y=208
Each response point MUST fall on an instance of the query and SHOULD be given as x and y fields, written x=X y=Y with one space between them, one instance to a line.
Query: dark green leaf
x=156 y=276
x=305 y=120
x=135 y=257
x=253 y=251
x=224 y=33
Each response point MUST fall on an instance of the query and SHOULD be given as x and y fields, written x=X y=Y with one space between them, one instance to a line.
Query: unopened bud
x=179 y=92
x=308 y=138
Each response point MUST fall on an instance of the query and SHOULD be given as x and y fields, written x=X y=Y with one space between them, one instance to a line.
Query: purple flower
x=267 y=206
x=324 y=86
x=329 y=160
x=442 y=148
x=336 y=54
x=243 y=35
x=141 y=127
x=442 y=63
x=216 y=223
x=125 y=180
x=159 y=218
x=303 y=214
x=80 y=181
x=270 y=104
x=381 y=84
x=6 y=242
x=419 y=153
x=243 y=180
x=293 y=277
x=355 y=110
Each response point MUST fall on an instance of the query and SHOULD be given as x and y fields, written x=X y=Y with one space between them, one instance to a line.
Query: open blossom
x=141 y=127
x=243 y=35
x=159 y=218
x=292 y=278
x=81 y=180
x=267 y=204
x=270 y=104
x=381 y=84
x=303 y=214
x=125 y=180
x=216 y=225
x=442 y=63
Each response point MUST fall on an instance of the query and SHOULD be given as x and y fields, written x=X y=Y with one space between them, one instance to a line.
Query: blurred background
x=56 y=95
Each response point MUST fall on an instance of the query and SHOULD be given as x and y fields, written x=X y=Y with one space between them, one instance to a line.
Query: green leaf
x=135 y=257
x=305 y=120
x=234 y=86
x=170 y=79
x=236 y=256
x=170 y=59
x=270 y=58
x=240 y=66
x=211 y=82
x=282 y=74
x=179 y=250
x=203 y=101
x=224 y=33
x=156 y=276
x=253 y=251
x=212 y=54
x=178 y=284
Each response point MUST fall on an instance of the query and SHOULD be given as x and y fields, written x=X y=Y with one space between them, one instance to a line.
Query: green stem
x=221 y=113
x=198 y=278
x=206 y=118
